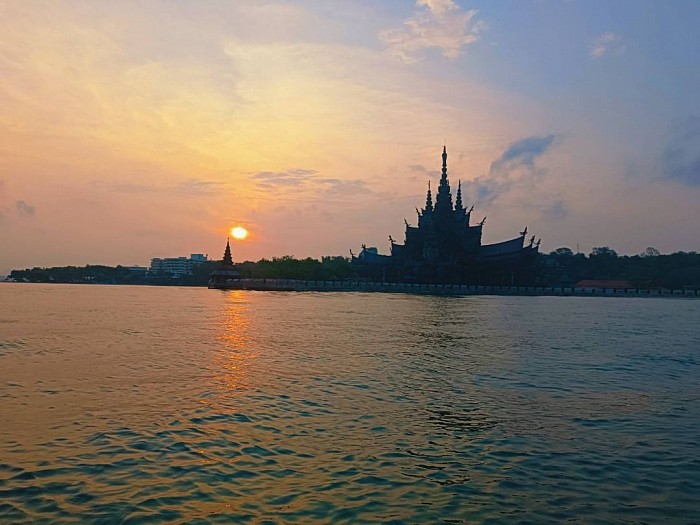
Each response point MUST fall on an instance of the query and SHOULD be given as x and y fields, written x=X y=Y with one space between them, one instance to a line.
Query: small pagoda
x=226 y=272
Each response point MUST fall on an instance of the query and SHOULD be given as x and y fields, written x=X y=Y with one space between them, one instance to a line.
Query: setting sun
x=239 y=232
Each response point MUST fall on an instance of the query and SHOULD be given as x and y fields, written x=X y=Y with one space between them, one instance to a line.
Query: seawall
x=293 y=285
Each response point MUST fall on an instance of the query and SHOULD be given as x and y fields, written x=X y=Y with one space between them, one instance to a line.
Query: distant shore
x=293 y=285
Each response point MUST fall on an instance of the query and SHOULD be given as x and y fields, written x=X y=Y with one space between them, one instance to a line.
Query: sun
x=239 y=232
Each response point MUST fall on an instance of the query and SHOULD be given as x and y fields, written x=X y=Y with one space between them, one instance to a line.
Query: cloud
x=294 y=178
x=522 y=153
x=200 y=187
x=555 y=210
x=607 y=44
x=344 y=188
x=128 y=187
x=422 y=170
x=192 y=187
x=24 y=209
x=307 y=180
x=440 y=24
x=21 y=208
x=515 y=166
x=681 y=157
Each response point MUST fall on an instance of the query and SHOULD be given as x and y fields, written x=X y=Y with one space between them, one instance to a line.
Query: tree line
x=649 y=269
x=328 y=268
x=559 y=267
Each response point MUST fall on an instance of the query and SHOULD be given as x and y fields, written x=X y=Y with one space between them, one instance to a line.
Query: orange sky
x=133 y=131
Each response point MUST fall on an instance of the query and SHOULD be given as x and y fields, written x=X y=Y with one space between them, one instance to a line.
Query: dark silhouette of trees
x=560 y=267
x=648 y=269
x=563 y=252
x=79 y=274
x=329 y=268
x=603 y=251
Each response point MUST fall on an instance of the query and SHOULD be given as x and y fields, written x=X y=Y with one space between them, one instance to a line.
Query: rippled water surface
x=140 y=404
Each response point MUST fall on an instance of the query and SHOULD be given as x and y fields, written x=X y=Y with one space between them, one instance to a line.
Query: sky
x=139 y=129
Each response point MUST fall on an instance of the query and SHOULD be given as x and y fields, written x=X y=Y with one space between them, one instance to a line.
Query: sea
x=137 y=404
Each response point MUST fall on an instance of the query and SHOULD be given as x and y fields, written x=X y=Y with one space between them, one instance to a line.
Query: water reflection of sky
x=339 y=407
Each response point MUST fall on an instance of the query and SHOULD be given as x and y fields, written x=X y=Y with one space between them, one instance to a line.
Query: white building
x=176 y=266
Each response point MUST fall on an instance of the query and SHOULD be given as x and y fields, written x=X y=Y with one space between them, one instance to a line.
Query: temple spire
x=458 y=201
x=429 y=200
x=444 y=163
x=228 y=260
x=443 y=200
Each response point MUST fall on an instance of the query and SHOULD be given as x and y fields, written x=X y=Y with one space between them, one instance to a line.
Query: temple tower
x=228 y=260
x=220 y=277
x=443 y=201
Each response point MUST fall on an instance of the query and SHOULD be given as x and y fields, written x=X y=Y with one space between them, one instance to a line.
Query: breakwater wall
x=293 y=285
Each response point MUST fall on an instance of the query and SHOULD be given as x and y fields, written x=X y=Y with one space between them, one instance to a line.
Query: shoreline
x=293 y=285
x=454 y=290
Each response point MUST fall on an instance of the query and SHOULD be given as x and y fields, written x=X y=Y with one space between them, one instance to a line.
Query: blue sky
x=135 y=130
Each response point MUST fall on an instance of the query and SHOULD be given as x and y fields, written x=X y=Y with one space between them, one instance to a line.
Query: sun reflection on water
x=236 y=355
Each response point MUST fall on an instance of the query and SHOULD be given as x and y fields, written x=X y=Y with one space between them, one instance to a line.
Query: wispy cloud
x=555 y=210
x=21 y=207
x=607 y=44
x=307 y=180
x=191 y=187
x=515 y=167
x=344 y=188
x=24 y=209
x=439 y=24
x=293 y=178
x=200 y=187
x=681 y=157
x=522 y=153
x=422 y=170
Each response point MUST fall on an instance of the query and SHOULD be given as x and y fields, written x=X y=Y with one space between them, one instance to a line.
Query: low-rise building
x=176 y=266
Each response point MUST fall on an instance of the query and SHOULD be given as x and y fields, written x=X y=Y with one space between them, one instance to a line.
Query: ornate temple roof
x=513 y=246
x=371 y=256
x=445 y=247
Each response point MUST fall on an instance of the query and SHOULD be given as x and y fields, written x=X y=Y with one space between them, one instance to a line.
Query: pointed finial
x=443 y=179
x=429 y=199
x=524 y=232
x=458 y=201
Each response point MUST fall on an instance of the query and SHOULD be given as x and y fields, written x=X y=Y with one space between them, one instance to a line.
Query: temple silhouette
x=226 y=270
x=445 y=248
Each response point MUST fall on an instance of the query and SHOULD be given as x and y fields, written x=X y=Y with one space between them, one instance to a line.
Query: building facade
x=176 y=266
x=444 y=247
